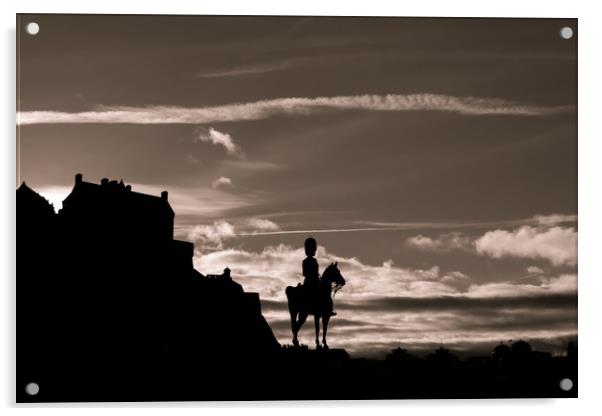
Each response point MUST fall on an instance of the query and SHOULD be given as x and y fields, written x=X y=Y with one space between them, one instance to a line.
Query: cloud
x=556 y=244
x=553 y=219
x=297 y=106
x=222 y=181
x=542 y=285
x=534 y=270
x=250 y=165
x=444 y=242
x=220 y=139
x=262 y=224
x=461 y=302
x=211 y=236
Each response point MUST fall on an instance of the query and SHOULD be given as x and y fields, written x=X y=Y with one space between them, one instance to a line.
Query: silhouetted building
x=113 y=207
x=442 y=355
x=32 y=205
x=398 y=354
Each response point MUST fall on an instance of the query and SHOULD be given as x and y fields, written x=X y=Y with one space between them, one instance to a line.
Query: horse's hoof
x=325 y=346
x=296 y=343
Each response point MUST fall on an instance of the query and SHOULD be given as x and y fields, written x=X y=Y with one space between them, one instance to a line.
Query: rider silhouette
x=311 y=273
x=310 y=264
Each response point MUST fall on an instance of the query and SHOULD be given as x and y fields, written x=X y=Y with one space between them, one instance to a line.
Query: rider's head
x=311 y=246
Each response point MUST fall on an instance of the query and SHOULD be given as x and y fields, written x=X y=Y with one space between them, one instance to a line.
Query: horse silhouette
x=302 y=303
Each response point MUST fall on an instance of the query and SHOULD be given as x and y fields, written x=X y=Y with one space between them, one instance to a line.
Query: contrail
x=400 y=226
x=319 y=231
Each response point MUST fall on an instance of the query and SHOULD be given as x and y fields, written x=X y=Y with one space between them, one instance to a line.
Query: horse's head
x=332 y=274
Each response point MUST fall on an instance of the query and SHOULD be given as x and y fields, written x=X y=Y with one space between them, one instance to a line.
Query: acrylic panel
x=291 y=208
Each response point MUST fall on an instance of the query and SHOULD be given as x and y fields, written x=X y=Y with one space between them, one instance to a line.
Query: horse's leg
x=294 y=327
x=292 y=309
x=325 y=320
x=317 y=323
x=300 y=322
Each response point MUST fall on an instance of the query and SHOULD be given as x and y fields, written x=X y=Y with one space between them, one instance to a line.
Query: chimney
x=104 y=181
x=78 y=178
x=164 y=195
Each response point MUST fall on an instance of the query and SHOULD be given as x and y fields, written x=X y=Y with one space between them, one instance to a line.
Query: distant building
x=521 y=348
x=500 y=353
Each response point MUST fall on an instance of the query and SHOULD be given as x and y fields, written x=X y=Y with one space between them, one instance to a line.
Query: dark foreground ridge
x=110 y=308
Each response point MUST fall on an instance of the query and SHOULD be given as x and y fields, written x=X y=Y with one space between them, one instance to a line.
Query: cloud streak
x=246 y=70
x=294 y=106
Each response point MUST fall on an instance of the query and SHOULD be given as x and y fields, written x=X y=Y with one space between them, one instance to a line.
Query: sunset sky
x=434 y=159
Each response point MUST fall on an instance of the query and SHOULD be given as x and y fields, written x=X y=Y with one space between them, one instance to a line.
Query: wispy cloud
x=219 y=138
x=246 y=70
x=323 y=231
x=554 y=219
x=298 y=106
x=444 y=242
x=537 y=220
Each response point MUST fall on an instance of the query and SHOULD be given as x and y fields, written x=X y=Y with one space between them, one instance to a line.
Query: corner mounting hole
x=566 y=384
x=32 y=389
x=32 y=28
x=566 y=32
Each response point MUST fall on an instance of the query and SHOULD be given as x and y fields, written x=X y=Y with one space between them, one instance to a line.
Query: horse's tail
x=291 y=295
x=289 y=292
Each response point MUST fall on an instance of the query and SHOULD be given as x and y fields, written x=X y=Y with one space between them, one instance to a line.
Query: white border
x=590 y=201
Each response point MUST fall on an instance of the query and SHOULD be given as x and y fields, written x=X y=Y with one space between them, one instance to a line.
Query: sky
x=434 y=159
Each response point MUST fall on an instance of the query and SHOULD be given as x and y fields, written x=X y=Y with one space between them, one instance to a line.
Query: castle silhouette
x=104 y=289
x=110 y=308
